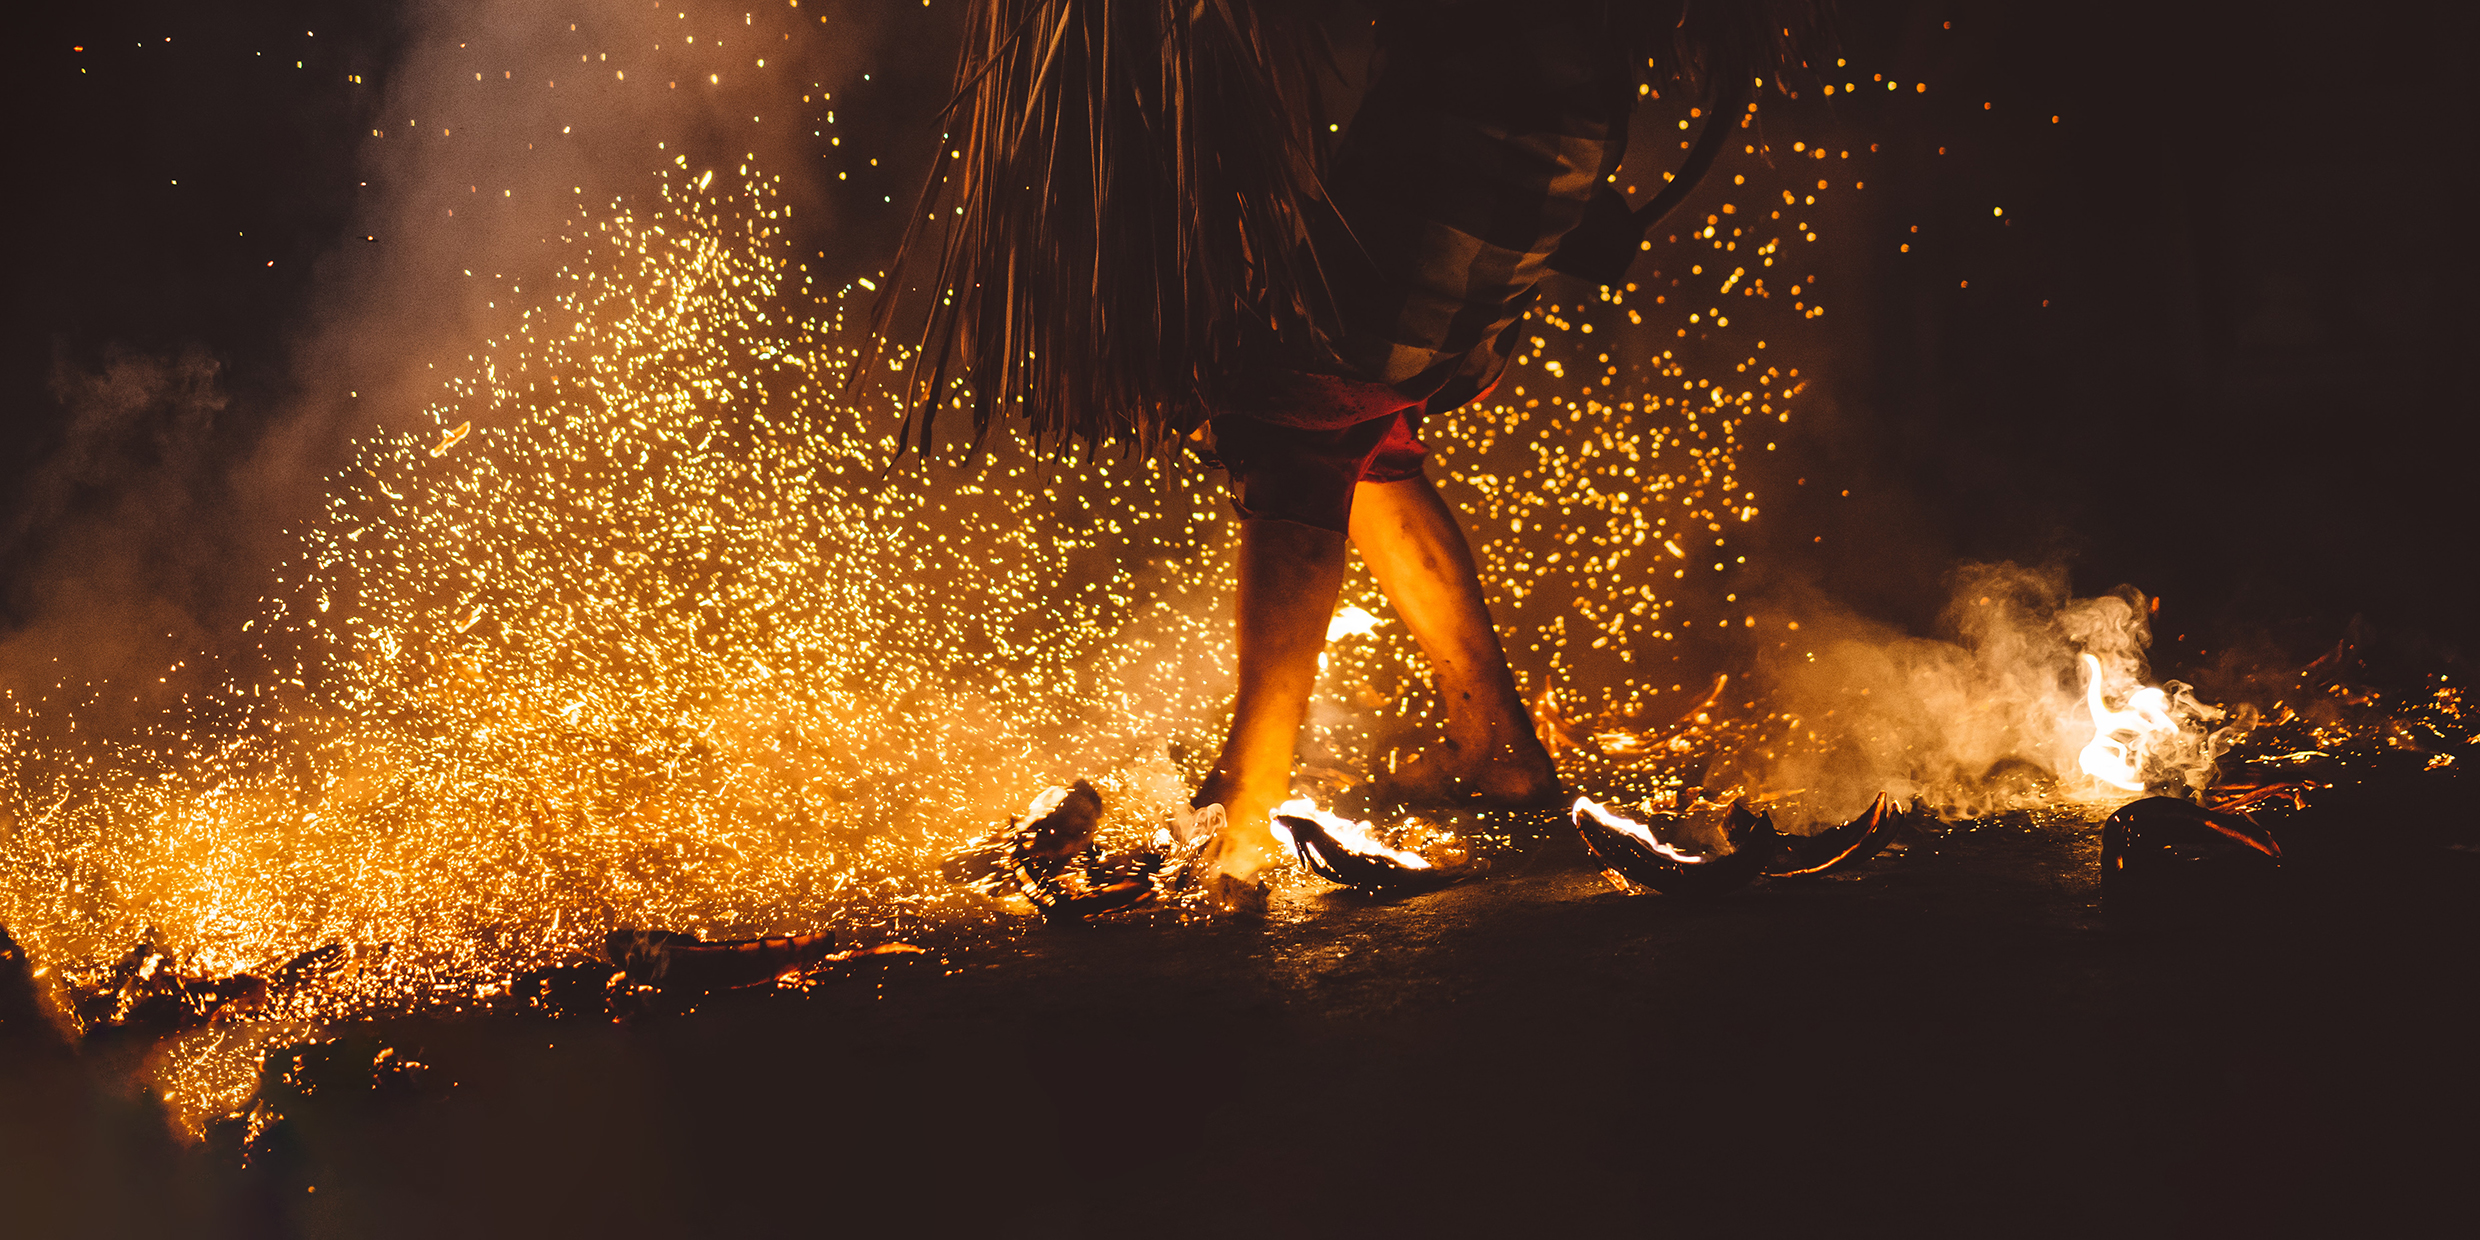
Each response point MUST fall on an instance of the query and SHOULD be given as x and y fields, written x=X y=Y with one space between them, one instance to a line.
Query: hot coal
x=2165 y=848
x=1638 y=854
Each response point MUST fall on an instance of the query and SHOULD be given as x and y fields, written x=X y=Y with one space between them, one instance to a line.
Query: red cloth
x=1297 y=443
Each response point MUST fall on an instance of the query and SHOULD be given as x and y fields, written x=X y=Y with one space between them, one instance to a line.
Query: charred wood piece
x=667 y=960
x=1055 y=832
x=2162 y=847
x=355 y=1065
x=1363 y=864
x=146 y=999
x=1097 y=887
x=1634 y=854
x=1048 y=856
x=1060 y=823
x=1838 y=848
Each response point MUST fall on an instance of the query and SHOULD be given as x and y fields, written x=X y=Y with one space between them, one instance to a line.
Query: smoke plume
x=1991 y=715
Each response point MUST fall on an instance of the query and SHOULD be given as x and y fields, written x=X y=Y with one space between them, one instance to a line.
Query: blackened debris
x=1096 y=886
x=669 y=960
x=564 y=990
x=144 y=998
x=316 y=965
x=1055 y=833
x=2164 y=847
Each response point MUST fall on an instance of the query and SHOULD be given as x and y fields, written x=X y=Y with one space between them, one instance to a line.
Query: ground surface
x=1963 y=1039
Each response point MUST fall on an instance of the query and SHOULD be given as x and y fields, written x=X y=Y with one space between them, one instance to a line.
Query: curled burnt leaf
x=1047 y=856
x=1838 y=848
x=1350 y=853
x=1633 y=854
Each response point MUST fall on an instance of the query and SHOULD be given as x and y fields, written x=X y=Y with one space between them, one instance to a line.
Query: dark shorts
x=1475 y=150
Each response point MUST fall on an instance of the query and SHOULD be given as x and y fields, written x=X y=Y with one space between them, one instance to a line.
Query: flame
x=2121 y=738
x=1351 y=622
x=1359 y=837
x=1630 y=827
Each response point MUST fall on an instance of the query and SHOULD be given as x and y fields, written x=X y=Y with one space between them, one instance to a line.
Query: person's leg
x=1409 y=538
x=1290 y=575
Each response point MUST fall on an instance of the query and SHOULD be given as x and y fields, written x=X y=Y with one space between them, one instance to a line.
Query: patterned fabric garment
x=1475 y=150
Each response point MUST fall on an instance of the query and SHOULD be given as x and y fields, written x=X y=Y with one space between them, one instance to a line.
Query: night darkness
x=2173 y=295
x=2210 y=349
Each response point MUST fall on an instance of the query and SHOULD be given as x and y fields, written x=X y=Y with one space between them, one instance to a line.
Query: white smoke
x=1993 y=715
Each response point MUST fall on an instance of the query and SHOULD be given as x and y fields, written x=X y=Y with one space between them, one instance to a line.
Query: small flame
x=1359 y=837
x=1629 y=826
x=1350 y=622
x=2121 y=737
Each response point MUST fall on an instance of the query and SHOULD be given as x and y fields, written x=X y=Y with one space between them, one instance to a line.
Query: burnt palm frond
x=1121 y=209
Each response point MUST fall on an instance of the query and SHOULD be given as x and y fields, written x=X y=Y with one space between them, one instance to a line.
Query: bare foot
x=1247 y=843
x=1517 y=775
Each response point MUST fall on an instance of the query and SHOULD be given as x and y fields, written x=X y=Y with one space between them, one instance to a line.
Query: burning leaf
x=1635 y=856
x=1340 y=850
x=2237 y=797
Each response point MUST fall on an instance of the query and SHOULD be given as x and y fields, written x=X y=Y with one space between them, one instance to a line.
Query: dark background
x=2243 y=392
